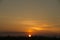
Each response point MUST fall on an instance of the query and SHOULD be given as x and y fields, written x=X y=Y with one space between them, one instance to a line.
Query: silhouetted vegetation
x=27 y=38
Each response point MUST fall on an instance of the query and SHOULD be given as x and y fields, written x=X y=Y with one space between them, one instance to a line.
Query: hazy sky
x=24 y=15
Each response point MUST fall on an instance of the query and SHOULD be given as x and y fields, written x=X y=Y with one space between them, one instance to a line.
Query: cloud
x=59 y=1
x=0 y=1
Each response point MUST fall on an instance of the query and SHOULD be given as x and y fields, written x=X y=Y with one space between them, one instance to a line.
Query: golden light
x=33 y=30
x=37 y=28
x=29 y=35
x=30 y=32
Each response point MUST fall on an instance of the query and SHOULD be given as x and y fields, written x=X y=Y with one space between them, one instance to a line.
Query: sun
x=29 y=35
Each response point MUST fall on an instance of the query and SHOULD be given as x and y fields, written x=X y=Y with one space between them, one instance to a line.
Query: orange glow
x=30 y=30
x=37 y=28
x=33 y=30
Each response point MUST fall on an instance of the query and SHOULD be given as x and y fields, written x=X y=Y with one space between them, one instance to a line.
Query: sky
x=29 y=15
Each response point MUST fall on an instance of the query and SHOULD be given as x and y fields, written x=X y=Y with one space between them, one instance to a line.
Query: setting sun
x=29 y=35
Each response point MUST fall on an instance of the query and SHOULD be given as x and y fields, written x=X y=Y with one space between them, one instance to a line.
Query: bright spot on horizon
x=29 y=35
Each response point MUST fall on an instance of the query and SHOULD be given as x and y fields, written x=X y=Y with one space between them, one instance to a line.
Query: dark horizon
x=47 y=34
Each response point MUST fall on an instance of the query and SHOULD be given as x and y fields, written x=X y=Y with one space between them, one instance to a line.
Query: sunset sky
x=29 y=15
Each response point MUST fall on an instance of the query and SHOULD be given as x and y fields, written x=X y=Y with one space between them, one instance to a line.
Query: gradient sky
x=25 y=15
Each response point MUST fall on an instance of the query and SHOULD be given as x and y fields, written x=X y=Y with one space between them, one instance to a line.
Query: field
x=29 y=38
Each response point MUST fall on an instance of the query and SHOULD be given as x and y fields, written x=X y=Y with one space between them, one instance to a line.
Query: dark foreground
x=29 y=38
